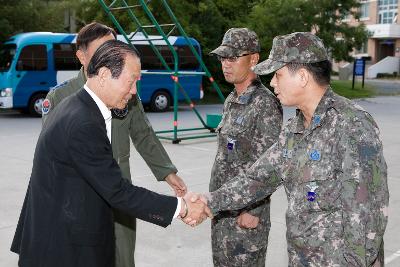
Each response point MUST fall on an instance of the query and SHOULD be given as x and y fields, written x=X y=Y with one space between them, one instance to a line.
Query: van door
x=33 y=78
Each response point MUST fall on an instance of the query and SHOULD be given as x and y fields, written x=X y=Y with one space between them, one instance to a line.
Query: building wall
x=374 y=46
x=397 y=51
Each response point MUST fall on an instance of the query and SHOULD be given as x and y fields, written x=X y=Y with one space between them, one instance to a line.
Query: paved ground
x=179 y=245
x=385 y=87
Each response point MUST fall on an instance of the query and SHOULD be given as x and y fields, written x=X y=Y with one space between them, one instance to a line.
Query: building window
x=387 y=11
x=346 y=16
x=363 y=49
x=364 y=10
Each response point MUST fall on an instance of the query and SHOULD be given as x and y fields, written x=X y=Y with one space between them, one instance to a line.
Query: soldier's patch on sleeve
x=58 y=85
x=46 y=106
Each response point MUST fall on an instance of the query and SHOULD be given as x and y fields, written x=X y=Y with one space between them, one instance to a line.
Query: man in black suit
x=66 y=219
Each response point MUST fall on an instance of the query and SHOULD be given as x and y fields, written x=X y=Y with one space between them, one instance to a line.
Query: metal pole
x=363 y=76
x=196 y=54
x=354 y=73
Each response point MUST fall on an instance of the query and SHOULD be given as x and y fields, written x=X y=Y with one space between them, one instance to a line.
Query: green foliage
x=34 y=15
x=343 y=88
x=205 y=20
x=325 y=17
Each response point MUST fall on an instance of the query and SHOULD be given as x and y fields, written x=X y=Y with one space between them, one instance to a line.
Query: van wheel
x=160 y=101
x=35 y=104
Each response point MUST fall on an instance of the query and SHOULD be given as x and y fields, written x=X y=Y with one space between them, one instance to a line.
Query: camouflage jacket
x=134 y=125
x=335 y=177
x=250 y=124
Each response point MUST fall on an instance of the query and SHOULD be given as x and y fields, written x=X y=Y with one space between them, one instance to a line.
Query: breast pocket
x=241 y=134
x=319 y=195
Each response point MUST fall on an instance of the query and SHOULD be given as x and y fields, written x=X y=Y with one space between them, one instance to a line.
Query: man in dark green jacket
x=129 y=122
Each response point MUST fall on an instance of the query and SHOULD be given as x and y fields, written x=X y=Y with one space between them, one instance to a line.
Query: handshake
x=194 y=209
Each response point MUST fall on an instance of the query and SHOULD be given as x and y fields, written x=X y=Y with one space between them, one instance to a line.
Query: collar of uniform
x=100 y=104
x=326 y=102
x=82 y=76
x=246 y=96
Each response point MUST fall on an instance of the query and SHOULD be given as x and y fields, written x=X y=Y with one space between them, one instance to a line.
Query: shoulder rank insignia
x=58 y=85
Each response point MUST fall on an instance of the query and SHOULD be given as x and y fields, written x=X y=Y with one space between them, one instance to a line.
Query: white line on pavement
x=392 y=257
x=200 y=148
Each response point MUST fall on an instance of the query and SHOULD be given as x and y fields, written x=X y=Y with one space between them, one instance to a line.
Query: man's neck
x=310 y=104
x=93 y=86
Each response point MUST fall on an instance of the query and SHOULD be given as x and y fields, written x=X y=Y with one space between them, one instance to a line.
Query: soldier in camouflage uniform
x=251 y=122
x=329 y=158
x=130 y=122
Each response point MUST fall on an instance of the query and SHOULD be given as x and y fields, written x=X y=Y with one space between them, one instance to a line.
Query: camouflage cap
x=298 y=47
x=236 y=41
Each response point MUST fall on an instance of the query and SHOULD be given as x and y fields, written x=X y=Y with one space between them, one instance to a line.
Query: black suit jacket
x=66 y=218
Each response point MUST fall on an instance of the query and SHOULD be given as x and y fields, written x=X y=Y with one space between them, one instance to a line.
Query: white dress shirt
x=107 y=119
x=103 y=109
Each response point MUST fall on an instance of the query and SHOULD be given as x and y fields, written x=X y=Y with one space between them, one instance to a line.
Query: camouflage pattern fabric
x=251 y=123
x=298 y=47
x=237 y=41
x=335 y=177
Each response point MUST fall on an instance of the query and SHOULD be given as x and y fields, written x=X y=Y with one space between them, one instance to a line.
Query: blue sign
x=359 y=67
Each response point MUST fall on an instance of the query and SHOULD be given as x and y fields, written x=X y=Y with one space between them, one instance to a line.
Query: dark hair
x=91 y=32
x=321 y=71
x=111 y=54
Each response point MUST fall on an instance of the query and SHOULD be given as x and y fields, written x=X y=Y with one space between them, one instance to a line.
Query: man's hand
x=248 y=221
x=197 y=196
x=177 y=184
x=197 y=210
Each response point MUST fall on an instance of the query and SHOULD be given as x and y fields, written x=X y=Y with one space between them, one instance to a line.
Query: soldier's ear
x=304 y=77
x=81 y=56
x=254 y=59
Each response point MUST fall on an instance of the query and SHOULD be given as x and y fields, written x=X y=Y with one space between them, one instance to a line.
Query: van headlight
x=6 y=92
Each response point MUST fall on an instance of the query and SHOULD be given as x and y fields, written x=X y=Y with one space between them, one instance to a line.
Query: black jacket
x=66 y=218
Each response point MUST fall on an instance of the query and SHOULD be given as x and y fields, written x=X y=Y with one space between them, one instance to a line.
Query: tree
x=324 y=17
x=34 y=15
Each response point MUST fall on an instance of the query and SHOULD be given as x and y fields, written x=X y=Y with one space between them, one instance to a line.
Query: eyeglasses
x=231 y=59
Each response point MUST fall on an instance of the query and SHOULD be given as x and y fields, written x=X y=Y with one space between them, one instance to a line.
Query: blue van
x=32 y=63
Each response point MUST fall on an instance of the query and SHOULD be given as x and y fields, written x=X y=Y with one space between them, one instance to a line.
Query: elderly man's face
x=121 y=89
x=287 y=87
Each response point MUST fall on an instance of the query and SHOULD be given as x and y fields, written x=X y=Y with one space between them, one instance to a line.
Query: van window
x=187 y=60
x=33 y=57
x=148 y=58
x=7 y=53
x=150 y=61
x=64 y=57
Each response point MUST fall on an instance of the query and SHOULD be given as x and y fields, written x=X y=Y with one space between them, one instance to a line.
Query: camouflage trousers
x=331 y=258
x=235 y=246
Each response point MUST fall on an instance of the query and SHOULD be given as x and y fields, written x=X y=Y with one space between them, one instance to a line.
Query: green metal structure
x=140 y=13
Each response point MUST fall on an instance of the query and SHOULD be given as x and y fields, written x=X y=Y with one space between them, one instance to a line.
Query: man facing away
x=130 y=122
x=329 y=158
x=66 y=219
x=251 y=123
